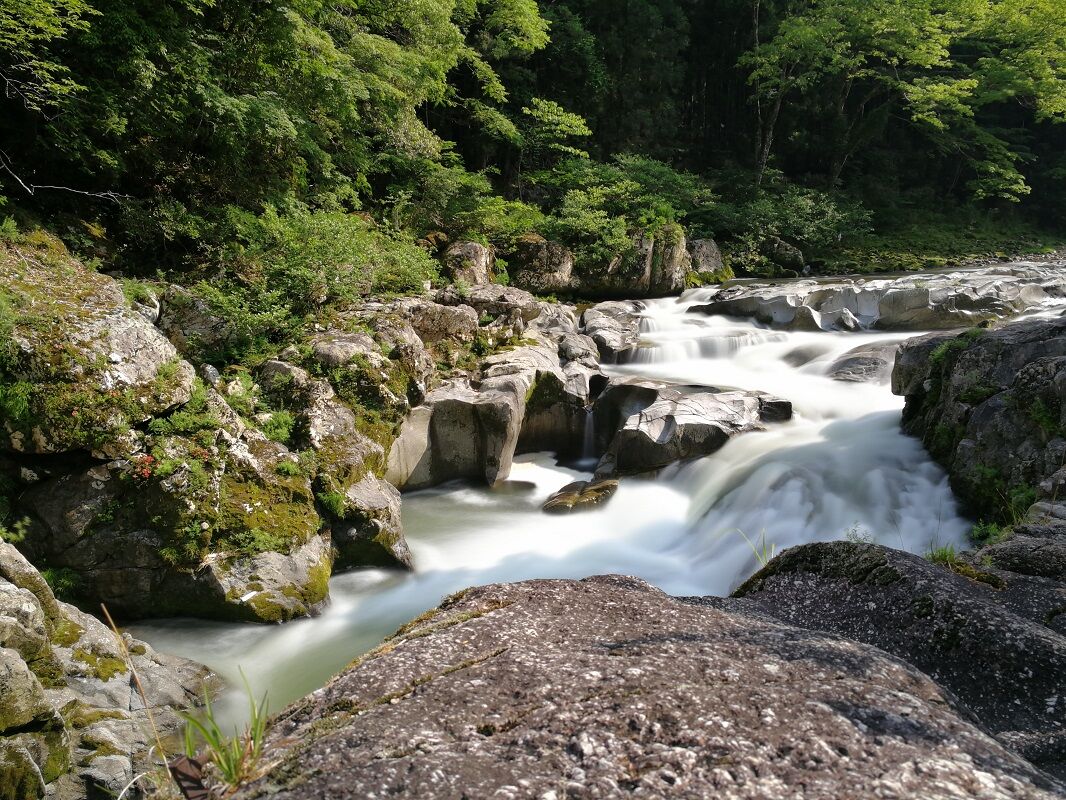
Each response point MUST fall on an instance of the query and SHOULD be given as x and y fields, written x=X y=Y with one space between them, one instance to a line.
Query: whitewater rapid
x=840 y=469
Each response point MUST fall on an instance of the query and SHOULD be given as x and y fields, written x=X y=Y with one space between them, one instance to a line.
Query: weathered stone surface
x=608 y=688
x=649 y=424
x=988 y=404
x=471 y=263
x=977 y=633
x=927 y=302
x=614 y=327
x=191 y=325
x=541 y=266
x=458 y=432
x=72 y=722
x=783 y=254
x=494 y=301
x=93 y=367
x=865 y=364
x=435 y=322
x=369 y=530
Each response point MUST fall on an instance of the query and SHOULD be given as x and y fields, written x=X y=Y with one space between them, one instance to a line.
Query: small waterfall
x=588 y=442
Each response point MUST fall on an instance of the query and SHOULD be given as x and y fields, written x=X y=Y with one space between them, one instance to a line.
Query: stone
x=191 y=325
x=541 y=266
x=614 y=326
x=580 y=496
x=369 y=529
x=438 y=323
x=707 y=261
x=988 y=405
x=657 y=265
x=21 y=696
x=93 y=367
x=656 y=424
x=783 y=254
x=493 y=301
x=470 y=263
x=865 y=364
x=965 y=630
x=607 y=687
x=926 y=302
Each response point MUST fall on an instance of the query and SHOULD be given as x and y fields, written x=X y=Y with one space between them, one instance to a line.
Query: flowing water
x=841 y=468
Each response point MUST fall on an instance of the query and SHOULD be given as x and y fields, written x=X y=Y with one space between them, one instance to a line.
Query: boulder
x=926 y=302
x=435 y=323
x=707 y=261
x=91 y=368
x=988 y=405
x=458 y=432
x=868 y=363
x=973 y=631
x=191 y=325
x=607 y=687
x=659 y=424
x=470 y=263
x=73 y=723
x=658 y=264
x=541 y=266
x=493 y=301
x=367 y=528
x=614 y=326
x=782 y=254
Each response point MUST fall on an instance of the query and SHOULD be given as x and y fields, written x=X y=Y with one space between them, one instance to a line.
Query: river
x=841 y=468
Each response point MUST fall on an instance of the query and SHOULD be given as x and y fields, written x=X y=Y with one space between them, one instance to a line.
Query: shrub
x=279 y=427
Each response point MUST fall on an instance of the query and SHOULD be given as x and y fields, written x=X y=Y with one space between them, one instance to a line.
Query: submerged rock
x=581 y=496
x=607 y=687
x=865 y=364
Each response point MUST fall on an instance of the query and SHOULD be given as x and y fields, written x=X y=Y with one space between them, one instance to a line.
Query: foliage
x=235 y=757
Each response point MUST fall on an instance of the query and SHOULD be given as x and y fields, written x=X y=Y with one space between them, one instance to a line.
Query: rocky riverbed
x=163 y=484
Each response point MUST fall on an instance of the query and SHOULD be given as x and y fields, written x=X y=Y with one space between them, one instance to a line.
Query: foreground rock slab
x=609 y=688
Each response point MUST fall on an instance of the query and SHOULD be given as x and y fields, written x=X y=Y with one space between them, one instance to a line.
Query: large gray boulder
x=608 y=688
x=541 y=266
x=983 y=633
x=925 y=302
x=707 y=261
x=471 y=263
x=614 y=326
x=658 y=264
x=651 y=424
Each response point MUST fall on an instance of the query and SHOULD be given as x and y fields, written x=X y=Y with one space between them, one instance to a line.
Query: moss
x=82 y=715
x=102 y=667
x=66 y=632
x=545 y=392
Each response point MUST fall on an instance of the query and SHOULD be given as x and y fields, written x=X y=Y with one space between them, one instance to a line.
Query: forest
x=285 y=154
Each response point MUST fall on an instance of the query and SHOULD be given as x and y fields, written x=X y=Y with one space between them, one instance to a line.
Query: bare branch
x=32 y=188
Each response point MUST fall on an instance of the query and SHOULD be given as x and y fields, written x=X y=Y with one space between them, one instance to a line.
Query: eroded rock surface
x=925 y=302
x=72 y=722
x=608 y=688
x=984 y=633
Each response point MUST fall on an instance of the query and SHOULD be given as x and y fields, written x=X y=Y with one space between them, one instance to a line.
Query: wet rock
x=541 y=266
x=926 y=302
x=988 y=405
x=580 y=496
x=865 y=364
x=93 y=368
x=471 y=263
x=655 y=424
x=614 y=327
x=965 y=630
x=607 y=686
